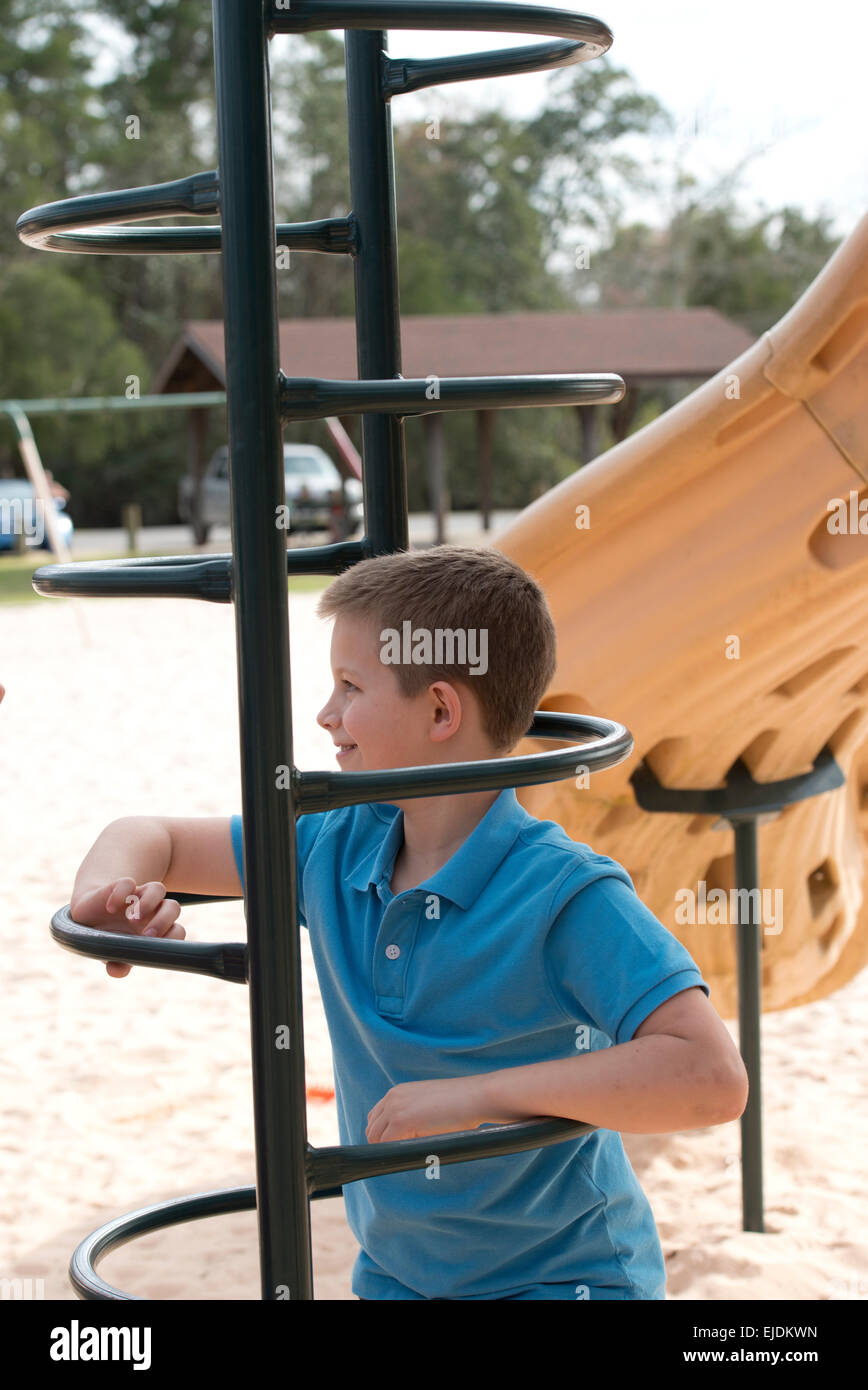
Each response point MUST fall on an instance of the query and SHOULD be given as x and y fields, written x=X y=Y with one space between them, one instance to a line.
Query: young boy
x=477 y=966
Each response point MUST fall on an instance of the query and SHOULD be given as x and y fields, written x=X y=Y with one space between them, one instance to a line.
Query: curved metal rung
x=61 y=225
x=331 y=1167
x=741 y=796
x=334 y=1166
x=311 y=398
x=591 y=36
x=412 y=74
x=158 y=576
x=183 y=576
x=41 y=227
x=332 y=235
x=221 y=960
x=325 y=791
x=82 y=1273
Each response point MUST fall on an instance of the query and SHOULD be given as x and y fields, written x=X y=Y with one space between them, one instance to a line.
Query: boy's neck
x=435 y=828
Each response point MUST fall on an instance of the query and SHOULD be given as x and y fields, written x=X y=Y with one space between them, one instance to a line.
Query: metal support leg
x=748 y=930
x=740 y=803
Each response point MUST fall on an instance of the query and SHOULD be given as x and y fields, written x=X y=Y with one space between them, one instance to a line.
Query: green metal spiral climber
x=289 y=1171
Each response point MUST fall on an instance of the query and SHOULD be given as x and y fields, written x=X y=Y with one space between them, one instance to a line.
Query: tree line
x=491 y=209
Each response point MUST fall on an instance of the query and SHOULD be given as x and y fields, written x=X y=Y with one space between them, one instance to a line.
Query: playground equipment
x=715 y=601
x=708 y=525
x=289 y=1171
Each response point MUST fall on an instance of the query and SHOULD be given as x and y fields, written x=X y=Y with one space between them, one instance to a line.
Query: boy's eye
x=350 y=684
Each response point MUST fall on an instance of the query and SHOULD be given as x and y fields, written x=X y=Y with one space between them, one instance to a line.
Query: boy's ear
x=449 y=698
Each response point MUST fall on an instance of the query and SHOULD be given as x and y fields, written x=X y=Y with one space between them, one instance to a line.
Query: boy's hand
x=416 y=1108
x=138 y=909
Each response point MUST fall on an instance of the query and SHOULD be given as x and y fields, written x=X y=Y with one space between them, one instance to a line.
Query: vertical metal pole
x=435 y=459
x=484 y=434
x=749 y=1010
x=262 y=637
x=378 y=326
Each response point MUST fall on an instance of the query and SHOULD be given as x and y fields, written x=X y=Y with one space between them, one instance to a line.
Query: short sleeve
x=609 y=958
x=306 y=830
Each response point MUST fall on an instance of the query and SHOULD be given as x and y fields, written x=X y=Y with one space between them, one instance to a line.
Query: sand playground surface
x=120 y=1093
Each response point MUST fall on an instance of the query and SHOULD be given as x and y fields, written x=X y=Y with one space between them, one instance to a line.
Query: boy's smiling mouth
x=344 y=749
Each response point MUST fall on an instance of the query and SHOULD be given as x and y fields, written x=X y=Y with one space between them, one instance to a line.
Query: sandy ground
x=120 y=1093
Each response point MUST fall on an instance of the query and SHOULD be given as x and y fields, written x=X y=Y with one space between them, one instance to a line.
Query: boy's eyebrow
x=346 y=670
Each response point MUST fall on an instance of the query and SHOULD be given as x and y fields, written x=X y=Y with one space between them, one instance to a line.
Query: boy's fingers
x=176 y=931
x=150 y=896
x=159 y=925
x=163 y=918
x=120 y=889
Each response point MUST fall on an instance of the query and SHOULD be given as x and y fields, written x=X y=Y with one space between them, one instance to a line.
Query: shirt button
x=393 y=952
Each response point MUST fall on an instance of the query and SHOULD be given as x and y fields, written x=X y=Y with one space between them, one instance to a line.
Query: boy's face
x=366 y=708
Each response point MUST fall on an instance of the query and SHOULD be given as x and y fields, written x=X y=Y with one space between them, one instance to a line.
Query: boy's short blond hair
x=460 y=588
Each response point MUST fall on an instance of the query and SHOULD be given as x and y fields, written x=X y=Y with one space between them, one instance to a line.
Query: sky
x=785 y=75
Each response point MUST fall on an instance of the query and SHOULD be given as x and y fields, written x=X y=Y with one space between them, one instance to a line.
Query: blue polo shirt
x=524 y=947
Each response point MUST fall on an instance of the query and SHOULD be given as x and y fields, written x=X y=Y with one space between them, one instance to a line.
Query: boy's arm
x=136 y=847
x=681 y=1070
x=191 y=855
x=203 y=860
x=145 y=856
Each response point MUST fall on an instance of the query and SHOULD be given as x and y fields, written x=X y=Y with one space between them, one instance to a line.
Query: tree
x=48 y=128
x=490 y=210
x=593 y=164
x=751 y=269
x=311 y=168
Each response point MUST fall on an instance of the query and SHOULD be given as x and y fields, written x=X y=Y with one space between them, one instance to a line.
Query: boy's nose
x=325 y=717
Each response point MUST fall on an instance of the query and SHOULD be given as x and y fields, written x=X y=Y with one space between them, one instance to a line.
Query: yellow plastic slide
x=708 y=578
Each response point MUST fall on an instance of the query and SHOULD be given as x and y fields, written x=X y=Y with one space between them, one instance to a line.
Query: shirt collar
x=462 y=878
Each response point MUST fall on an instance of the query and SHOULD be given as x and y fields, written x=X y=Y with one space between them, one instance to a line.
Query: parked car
x=313 y=484
x=21 y=516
